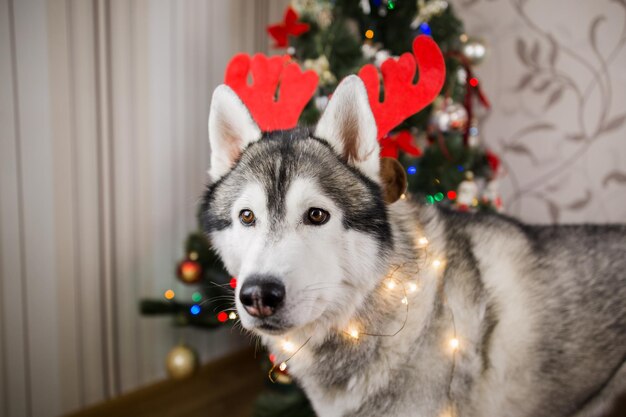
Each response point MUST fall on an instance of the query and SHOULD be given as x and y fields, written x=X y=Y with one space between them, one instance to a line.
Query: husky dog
x=406 y=309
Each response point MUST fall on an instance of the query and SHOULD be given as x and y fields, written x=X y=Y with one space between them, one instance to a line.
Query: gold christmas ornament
x=475 y=50
x=181 y=362
x=322 y=67
x=427 y=11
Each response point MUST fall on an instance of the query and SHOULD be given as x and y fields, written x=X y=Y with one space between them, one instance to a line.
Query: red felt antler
x=403 y=98
x=271 y=110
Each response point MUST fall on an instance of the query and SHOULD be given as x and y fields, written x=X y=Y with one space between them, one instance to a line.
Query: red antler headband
x=402 y=97
x=295 y=88
x=270 y=110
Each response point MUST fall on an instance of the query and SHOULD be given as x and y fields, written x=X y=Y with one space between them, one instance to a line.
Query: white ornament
x=475 y=50
x=461 y=75
x=473 y=138
x=491 y=194
x=320 y=103
x=381 y=56
x=467 y=194
x=449 y=116
x=365 y=6
x=369 y=50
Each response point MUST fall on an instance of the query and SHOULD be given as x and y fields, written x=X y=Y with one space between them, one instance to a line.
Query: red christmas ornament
x=267 y=110
x=189 y=272
x=290 y=26
x=233 y=282
x=390 y=145
x=222 y=316
x=494 y=162
x=403 y=98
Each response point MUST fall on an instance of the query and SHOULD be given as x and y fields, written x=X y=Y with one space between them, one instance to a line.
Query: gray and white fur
x=539 y=312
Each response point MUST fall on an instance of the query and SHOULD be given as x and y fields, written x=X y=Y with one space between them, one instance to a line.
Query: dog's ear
x=231 y=129
x=349 y=126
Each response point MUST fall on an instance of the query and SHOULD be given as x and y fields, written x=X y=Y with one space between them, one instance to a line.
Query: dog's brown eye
x=317 y=216
x=247 y=217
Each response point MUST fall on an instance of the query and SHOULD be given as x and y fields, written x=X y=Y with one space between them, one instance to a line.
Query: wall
x=556 y=80
x=103 y=150
x=103 y=156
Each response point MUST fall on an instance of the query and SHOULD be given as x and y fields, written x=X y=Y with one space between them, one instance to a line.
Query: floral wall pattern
x=557 y=81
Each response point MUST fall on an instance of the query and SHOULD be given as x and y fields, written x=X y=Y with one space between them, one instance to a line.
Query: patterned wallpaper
x=556 y=77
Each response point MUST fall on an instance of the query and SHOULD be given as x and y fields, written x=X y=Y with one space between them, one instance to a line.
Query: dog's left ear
x=231 y=129
x=348 y=125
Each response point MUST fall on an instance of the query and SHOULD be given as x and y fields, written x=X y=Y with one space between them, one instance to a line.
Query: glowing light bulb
x=288 y=346
x=391 y=284
x=232 y=315
x=412 y=287
x=403 y=197
x=405 y=301
x=447 y=413
x=169 y=294
x=422 y=241
x=369 y=34
x=436 y=263
x=354 y=333
x=454 y=343
x=282 y=366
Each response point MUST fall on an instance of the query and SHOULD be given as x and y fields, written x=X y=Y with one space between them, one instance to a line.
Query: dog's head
x=299 y=218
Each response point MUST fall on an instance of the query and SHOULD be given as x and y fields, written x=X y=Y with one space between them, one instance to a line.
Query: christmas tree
x=440 y=148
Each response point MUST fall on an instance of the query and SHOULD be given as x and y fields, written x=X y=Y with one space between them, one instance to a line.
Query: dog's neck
x=399 y=307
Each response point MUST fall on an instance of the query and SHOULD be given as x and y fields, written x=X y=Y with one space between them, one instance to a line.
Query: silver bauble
x=451 y=117
x=320 y=103
x=381 y=56
x=475 y=50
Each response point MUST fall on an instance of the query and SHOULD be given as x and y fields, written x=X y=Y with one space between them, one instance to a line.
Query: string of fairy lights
x=390 y=285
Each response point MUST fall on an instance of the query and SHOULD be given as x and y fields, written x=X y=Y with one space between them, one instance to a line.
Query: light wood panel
x=240 y=382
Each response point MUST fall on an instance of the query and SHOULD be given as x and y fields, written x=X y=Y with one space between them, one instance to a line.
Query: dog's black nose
x=262 y=296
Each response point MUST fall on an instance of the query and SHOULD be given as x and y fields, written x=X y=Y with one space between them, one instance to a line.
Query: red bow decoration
x=473 y=87
x=290 y=26
x=493 y=161
x=268 y=111
x=403 y=140
x=403 y=98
